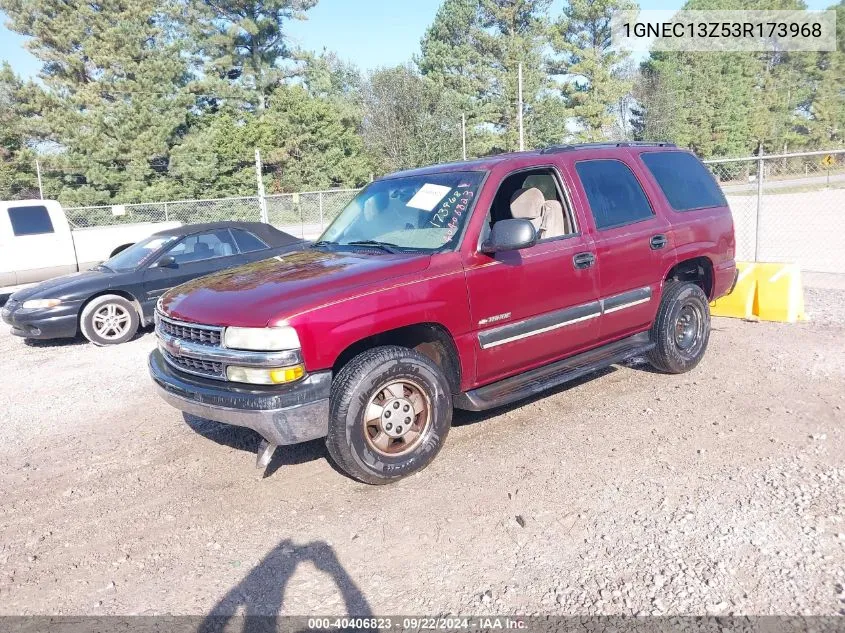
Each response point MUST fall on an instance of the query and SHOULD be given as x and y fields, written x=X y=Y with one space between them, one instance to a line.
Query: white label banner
x=727 y=31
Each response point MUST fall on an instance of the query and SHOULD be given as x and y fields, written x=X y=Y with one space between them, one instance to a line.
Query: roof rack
x=552 y=149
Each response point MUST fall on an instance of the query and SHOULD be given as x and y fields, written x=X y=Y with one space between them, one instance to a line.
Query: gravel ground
x=715 y=492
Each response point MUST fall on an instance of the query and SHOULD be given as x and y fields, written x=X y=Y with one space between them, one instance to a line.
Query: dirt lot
x=720 y=491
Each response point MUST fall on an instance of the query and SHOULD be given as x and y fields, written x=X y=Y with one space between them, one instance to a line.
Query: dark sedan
x=110 y=302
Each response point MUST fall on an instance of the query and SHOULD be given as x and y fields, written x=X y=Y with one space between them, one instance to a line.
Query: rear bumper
x=724 y=279
x=58 y=322
x=281 y=415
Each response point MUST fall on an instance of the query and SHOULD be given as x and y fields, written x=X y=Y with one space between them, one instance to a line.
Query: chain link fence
x=246 y=208
x=786 y=208
x=301 y=214
x=307 y=214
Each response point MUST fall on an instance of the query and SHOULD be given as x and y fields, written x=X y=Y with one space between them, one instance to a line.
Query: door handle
x=658 y=241
x=583 y=260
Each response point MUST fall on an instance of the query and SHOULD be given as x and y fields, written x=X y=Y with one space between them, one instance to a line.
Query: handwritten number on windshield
x=451 y=210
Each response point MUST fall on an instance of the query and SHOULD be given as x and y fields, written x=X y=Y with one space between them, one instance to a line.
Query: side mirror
x=167 y=261
x=510 y=235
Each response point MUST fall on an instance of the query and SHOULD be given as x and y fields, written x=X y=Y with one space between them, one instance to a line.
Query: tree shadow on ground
x=259 y=598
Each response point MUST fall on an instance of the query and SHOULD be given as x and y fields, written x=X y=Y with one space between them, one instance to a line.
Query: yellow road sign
x=827 y=161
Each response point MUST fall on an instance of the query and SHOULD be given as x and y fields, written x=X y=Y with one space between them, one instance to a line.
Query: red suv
x=468 y=285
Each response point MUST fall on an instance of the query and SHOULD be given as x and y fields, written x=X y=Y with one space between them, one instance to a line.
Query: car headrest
x=527 y=203
x=201 y=247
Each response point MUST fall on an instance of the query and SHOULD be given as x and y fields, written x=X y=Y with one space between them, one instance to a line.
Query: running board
x=538 y=380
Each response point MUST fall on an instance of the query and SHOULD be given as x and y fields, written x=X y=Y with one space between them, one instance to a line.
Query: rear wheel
x=391 y=409
x=109 y=320
x=681 y=330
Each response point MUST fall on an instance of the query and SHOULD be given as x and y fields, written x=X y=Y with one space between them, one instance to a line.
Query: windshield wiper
x=322 y=243
x=387 y=247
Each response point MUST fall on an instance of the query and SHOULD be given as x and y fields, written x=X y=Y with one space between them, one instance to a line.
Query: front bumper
x=281 y=415
x=44 y=323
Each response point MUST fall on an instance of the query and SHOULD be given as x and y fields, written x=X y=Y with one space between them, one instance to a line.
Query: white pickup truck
x=37 y=243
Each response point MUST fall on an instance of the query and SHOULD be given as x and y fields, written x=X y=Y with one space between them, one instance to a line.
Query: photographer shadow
x=259 y=598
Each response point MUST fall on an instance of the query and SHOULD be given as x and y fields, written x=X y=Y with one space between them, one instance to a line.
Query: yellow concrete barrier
x=765 y=291
x=740 y=303
x=780 y=294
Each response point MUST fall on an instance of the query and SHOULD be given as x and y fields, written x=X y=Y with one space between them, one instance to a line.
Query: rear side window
x=685 y=182
x=34 y=220
x=615 y=195
x=247 y=242
x=197 y=248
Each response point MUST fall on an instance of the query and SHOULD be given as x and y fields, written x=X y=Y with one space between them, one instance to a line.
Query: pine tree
x=327 y=76
x=408 y=121
x=306 y=142
x=17 y=160
x=713 y=122
x=594 y=79
x=825 y=106
x=241 y=45
x=474 y=48
x=114 y=99
x=725 y=104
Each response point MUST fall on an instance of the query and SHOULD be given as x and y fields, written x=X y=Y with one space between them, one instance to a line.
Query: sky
x=369 y=33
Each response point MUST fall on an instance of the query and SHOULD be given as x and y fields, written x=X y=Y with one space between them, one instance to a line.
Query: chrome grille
x=194 y=333
x=196 y=365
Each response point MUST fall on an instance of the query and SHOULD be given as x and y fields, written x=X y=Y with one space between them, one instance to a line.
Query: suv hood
x=265 y=292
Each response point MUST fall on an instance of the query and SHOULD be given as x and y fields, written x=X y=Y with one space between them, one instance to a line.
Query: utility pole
x=760 y=169
x=262 y=201
x=38 y=172
x=464 y=134
x=519 y=113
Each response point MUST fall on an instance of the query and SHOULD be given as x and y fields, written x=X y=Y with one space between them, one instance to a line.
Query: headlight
x=40 y=303
x=261 y=376
x=267 y=339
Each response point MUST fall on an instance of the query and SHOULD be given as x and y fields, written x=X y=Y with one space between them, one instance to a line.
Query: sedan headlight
x=33 y=304
x=269 y=339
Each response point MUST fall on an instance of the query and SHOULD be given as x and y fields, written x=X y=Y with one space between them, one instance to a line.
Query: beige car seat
x=546 y=215
x=527 y=204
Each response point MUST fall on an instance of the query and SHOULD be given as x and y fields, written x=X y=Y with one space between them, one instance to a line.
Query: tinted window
x=685 y=182
x=614 y=193
x=197 y=248
x=247 y=242
x=30 y=220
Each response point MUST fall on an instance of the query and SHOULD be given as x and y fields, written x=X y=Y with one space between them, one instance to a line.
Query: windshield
x=415 y=212
x=138 y=254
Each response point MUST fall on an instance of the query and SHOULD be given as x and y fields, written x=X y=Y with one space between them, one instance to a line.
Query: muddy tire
x=681 y=330
x=109 y=320
x=390 y=413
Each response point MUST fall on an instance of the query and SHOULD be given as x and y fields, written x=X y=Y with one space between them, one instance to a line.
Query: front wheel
x=390 y=412
x=109 y=320
x=681 y=330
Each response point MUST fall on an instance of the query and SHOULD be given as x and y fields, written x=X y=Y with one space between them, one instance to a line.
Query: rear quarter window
x=247 y=242
x=30 y=220
x=686 y=183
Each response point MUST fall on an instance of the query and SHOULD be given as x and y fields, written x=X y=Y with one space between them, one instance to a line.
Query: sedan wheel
x=109 y=320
